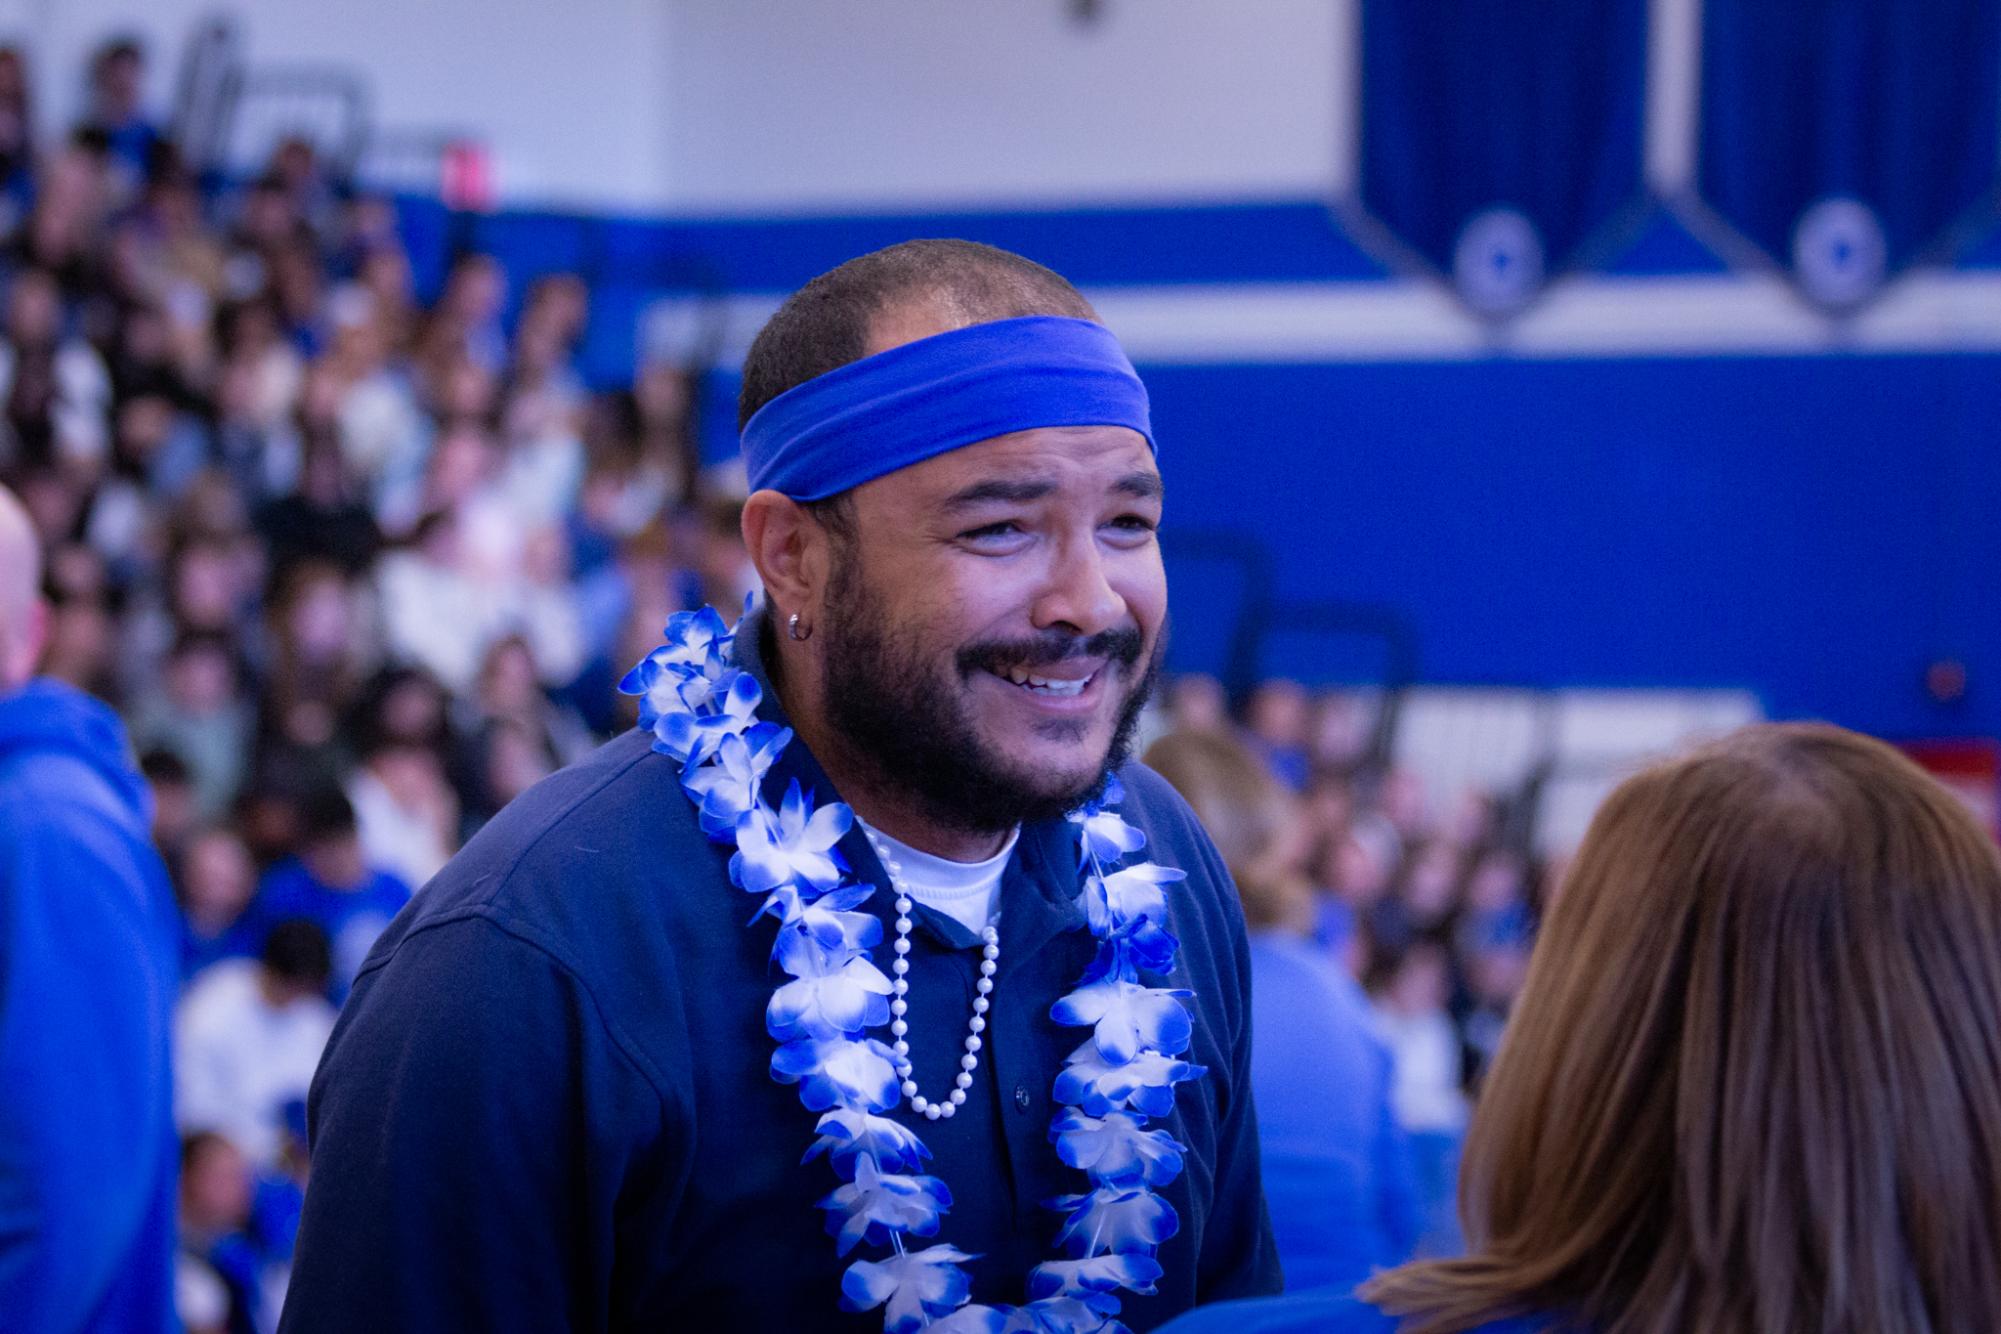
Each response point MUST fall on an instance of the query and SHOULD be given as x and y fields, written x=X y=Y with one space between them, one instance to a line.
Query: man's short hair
x=825 y=324
x=297 y=952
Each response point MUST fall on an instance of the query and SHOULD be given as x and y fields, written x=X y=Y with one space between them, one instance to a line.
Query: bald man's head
x=23 y=618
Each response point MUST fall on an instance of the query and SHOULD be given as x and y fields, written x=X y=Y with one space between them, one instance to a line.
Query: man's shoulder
x=586 y=890
x=61 y=815
x=612 y=824
x=52 y=796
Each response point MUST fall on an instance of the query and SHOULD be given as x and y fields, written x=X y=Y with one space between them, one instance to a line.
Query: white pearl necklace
x=899 y=1004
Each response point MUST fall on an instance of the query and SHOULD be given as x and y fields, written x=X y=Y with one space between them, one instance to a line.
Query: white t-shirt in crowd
x=238 y=1060
x=967 y=892
x=1424 y=1091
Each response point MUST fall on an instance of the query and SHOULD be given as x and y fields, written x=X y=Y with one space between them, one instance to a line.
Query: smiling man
x=867 y=985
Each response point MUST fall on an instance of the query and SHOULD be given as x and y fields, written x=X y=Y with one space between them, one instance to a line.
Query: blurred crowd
x=358 y=569
x=1432 y=910
x=1424 y=914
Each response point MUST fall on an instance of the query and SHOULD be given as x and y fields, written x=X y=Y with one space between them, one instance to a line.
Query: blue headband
x=885 y=412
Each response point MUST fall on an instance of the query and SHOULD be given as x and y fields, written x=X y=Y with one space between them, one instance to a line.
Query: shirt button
x=1021 y=1098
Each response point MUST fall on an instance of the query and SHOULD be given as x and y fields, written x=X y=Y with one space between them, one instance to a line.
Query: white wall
x=774 y=106
x=780 y=105
x=567 y=93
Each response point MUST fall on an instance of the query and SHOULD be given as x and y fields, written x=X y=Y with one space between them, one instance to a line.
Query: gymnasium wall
x=1712 y=438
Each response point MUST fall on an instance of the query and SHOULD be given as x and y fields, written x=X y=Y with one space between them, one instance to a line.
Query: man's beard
x=912 y=735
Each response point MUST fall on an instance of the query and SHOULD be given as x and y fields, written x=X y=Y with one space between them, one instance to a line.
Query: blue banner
x=1847 y=138
x=1501 y=139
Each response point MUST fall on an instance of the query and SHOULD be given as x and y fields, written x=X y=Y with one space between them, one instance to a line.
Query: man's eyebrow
x=1019 y=491
x=1141 y=485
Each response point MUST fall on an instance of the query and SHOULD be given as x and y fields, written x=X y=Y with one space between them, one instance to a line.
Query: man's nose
x=1080 y=595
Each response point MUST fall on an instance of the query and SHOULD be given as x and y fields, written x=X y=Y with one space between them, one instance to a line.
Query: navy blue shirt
x=547 y=1104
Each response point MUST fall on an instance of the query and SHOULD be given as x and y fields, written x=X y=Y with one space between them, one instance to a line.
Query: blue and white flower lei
x=702 y=711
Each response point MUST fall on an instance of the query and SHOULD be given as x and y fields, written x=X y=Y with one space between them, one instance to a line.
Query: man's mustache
x=1122 y=646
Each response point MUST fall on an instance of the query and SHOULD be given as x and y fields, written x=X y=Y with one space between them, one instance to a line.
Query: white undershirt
x=966 y=892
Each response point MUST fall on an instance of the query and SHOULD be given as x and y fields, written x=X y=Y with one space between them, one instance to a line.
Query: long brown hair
x=1753 y=1084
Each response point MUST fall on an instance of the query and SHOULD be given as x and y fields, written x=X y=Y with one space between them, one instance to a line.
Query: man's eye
x=1134 y=523
x=1005 y=528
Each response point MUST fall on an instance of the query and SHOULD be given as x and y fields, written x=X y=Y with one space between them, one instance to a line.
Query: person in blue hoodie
x=88 y=972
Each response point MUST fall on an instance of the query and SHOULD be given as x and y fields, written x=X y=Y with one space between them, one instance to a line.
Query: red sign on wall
x=1970 y=768
x=465 y=177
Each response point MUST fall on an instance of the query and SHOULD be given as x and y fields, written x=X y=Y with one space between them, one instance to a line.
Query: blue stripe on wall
x=1275 y=242
x=1817 y=529
x=1281 y=241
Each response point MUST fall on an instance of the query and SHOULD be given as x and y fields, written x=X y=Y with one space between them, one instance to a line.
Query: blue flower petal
x=973 y=1320
x=1129 y=1018
x=912 y=1287
x=843 y=1001
x=1102 y=837
x=1116 y=1149
x=727 y=787
x=1110 y=1219
x=832 y=922
x=1100 y=1273
x=795 y=845
x=1149 y=948
x=839 y=1072
x=1087 y=1313
x=876 y=1204
x=1120 y=902
x=1143 y=1084
x=846 y=1135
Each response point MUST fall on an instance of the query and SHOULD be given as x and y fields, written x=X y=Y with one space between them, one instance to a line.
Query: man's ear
x=789 y=548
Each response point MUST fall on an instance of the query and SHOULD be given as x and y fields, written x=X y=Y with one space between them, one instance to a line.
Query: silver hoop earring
x=792 y=629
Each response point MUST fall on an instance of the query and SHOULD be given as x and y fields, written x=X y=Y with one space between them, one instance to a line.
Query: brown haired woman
x=1753 y=1084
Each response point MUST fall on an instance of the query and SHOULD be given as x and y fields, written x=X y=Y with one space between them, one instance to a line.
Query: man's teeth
x=1045 y=685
